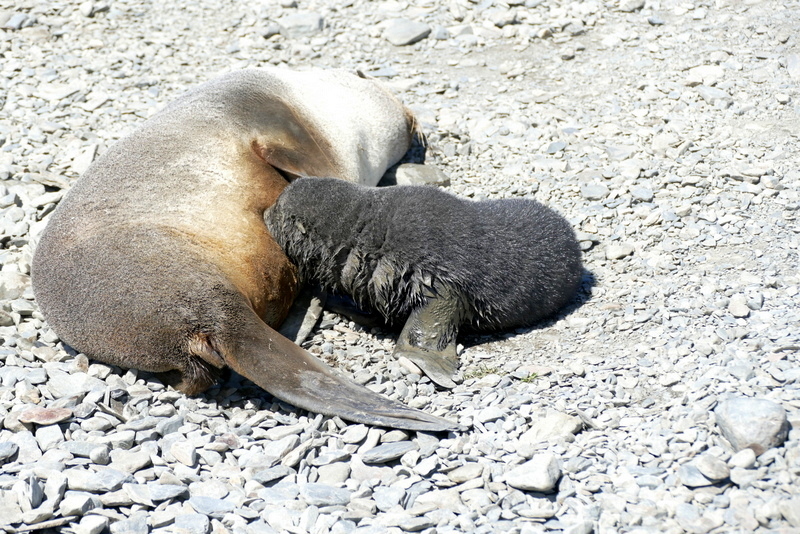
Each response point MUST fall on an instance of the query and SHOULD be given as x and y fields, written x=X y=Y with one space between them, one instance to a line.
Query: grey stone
x=170 y=425
x=468 y=471
x=793 y=66
x=712 y=95
x=790 y=509
x=759 y=424
x=556 y=146
x=138 y=493
x=333 y=474
x=92 y=524
x=9 y=508
x=540 y=473
x=273 y=473
x=738 y=306
x=619 y=251
x=164 y=492
x=135 y=524
x=416 y=524
x=629 y=6
x=712 y=467
x=184 y=452
x=745 y=458
x=76 y=503
x=7 y=451
x=552 y=426
x=324 y=495
x=211 y=506
x=83 y=449
x=402 y=32
x=192 y=524
x=644 y=194
x=16 y=21
x=594 y=191
x=690 y=476
x=301 y=23
x=416 y=174
x=355 y=433
x=746 y=477
x=29 y=450
x=13 y=284
x=130 y=461
x=388 y=452
x=101 y=481
x=387 y=497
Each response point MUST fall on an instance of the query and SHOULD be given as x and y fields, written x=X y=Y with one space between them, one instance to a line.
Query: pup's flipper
x=293 y=375
x=429 y=337
x=304 y=314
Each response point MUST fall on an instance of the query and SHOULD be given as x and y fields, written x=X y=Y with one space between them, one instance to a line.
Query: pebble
x=324 y=495
x=92 y=524
x=416 y=174
x=691 y=476
x=759 y=424
x=301 y=23
x=388 y=452
x=540 y=473
x=712 y=467
x=738 y=306
x=192 y=524
x=403 y=32
x=7 y=451
x=617 y=252
x=594 y=191
x=745 y=459
x=210 y=506
x=101 y=481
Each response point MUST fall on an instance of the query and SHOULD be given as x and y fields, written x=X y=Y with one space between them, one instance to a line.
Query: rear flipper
x=295 y=376
x=429 y=336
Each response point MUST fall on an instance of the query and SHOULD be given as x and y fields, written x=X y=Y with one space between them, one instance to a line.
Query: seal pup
x=423 y=257
x=158 y=258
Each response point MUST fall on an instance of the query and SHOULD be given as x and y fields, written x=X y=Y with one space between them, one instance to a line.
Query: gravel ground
x=666 y=400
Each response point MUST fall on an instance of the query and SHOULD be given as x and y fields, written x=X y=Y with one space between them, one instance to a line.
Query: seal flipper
x=293 y=375
x=429 y=336
x=304 y=314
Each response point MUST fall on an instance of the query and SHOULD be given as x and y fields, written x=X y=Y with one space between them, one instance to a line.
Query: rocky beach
x=666 y=398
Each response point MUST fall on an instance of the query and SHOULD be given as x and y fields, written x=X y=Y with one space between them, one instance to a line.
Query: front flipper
x=429 y=336
x=304 y=314
x=295 y=376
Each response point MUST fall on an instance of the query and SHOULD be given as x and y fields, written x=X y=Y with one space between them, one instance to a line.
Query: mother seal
x=425 y=257
x=158 y=258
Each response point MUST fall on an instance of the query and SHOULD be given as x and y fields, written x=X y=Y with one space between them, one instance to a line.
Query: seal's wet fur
x=509 y=262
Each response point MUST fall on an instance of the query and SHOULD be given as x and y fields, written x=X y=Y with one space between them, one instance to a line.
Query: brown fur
x=159 y=259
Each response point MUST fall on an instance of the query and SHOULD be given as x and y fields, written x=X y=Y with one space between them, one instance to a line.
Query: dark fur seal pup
x=425 y=257
x=159 y=258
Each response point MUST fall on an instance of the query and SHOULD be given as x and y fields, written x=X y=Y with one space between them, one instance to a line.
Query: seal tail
x=293 y=375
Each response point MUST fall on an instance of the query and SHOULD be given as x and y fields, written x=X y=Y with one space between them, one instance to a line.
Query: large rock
x=540 y=473
x=758 y=424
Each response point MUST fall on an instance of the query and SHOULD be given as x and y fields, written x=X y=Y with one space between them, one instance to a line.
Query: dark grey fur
x=510 y=262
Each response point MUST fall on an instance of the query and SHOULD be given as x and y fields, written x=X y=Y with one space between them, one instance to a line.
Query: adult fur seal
x=158 y=258
x=425 y=257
